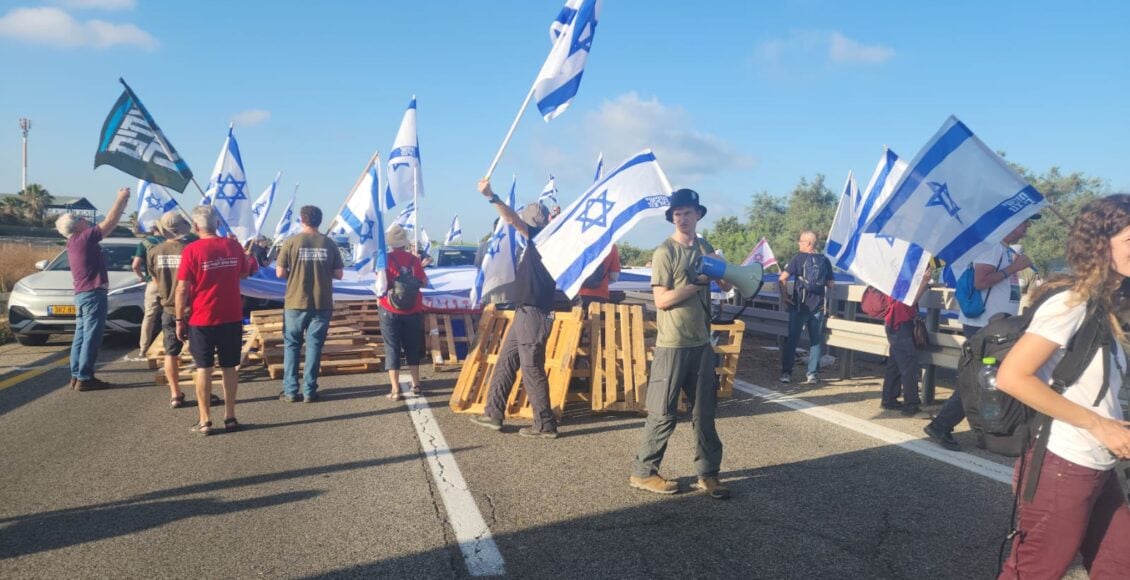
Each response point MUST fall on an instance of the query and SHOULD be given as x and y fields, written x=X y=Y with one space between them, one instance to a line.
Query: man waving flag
x=957 y=195
x=574 y=245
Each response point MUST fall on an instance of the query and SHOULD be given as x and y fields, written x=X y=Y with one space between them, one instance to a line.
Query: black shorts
x=402 y=333
x=173 y=345
x=208 y=342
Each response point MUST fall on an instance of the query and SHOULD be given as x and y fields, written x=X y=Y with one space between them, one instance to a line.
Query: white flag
x=560 y=77
x=227 y=192
x=549 y=192
x=956 y=196
x=501 y=259
x=404 y=178
x=425 y=242
x=455 y=233
x=262 y=206
x=152 y=202
x=573 y=245
x=359 y=217
x=762 y=254
x=407 y=217
x=892 y=265
x=288 y=225
x=843 y=223
x=599 y=167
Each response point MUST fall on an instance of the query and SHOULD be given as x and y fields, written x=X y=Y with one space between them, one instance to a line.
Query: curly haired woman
x=1078 y=506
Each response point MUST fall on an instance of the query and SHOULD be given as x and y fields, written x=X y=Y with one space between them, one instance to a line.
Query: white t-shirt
x=1005 y=295
x=1058 y=322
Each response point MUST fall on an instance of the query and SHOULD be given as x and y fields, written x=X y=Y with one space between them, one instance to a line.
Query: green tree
x=36 y=199
x=766 y=219
x=1046 y=240
x=733 y=238
x=633 y=256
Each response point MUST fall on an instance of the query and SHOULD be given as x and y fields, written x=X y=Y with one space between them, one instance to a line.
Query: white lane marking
x=480 y=553
x=966 y=461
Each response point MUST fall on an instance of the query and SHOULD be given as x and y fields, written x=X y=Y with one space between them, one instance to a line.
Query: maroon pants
x=1075 y=510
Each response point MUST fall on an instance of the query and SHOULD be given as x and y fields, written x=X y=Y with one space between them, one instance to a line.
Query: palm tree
x=14 y=207
x=36 y=200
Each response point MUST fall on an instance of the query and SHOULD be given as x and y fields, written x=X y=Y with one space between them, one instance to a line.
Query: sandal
x=415 y=389
x=231 y=425
x=203 y=428
x=177 y=401
x=393 y=396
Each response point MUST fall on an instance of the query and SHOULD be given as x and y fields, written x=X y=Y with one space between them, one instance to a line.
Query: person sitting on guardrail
x=91 y=284
x=162 y=263
x=309 y=261
x=806 y=304
x=684 y=356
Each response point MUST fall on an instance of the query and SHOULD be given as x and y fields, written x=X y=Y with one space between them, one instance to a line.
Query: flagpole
x=356 y=184
x=416 y=207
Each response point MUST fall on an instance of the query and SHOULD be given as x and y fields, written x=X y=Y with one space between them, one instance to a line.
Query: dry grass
x=18 y=260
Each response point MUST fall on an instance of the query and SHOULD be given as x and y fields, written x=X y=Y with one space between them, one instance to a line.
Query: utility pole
x=25 y=125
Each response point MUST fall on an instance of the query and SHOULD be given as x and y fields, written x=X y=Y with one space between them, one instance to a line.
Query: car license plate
x=62 y=310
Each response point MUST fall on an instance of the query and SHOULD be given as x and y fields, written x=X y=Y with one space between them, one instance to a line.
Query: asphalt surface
x=113 y=484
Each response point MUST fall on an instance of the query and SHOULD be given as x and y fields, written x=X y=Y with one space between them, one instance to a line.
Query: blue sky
x=741 y=98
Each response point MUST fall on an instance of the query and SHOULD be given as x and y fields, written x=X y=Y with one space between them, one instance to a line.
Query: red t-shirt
x=402 y=261
x=611 y=264
x=900 y=314
x=213 y=267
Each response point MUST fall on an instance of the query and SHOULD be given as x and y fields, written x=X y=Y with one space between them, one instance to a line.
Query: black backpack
x=1020 y=427
x=405 y=289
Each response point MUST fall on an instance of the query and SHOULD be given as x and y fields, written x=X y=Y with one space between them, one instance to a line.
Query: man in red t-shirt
x=208 y=292
x=402 y=325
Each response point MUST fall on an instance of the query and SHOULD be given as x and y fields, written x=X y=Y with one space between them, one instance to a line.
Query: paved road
x=113 y=484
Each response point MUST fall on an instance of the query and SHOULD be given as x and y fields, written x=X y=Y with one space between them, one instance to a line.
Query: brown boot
x=713 y=487
x=654 y=483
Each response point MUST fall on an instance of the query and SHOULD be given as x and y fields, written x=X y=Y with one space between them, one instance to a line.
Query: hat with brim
x=396 y=237
x=535 y=215
x=173 y=225
x=685 y=198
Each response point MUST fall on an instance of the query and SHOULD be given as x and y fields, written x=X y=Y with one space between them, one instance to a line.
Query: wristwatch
x=494 y=199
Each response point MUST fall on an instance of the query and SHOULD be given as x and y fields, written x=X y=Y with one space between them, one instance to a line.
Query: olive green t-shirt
x=310 y=260
x=162 y=261
x=687 y=323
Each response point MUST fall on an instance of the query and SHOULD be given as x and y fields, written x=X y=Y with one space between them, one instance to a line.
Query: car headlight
x=23 y=288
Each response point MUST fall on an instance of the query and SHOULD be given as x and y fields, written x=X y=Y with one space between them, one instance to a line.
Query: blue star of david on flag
x=222 y=187
x=942 y=198
x=153 y=201
x=257 y=209
x=366 y=231
x=602 y=205
x=886 y=238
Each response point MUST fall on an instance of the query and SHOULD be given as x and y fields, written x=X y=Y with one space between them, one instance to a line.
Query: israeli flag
x=407 y=217
x=549 y=192
x=501 y=260
x=957 y=196
x=573 y=245
x=287 y=225
x=152 y=202
x=843 y=223
x=761 y=254
x=359 y=218
x=404 y=179
x=380 y=285
x=455 y=233
x=227 y=192
x=599 y=167
x=425 y=242
x=560 y=77
x=892 y=265
x=262 y=205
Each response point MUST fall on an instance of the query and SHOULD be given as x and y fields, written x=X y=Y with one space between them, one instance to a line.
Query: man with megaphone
x=684 y=357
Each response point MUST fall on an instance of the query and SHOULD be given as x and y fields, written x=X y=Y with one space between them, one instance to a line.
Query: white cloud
x=629 y=124
x=98 y=4
x=842 y=49
x=804 y=50
x=251 y=117
x=54 y=27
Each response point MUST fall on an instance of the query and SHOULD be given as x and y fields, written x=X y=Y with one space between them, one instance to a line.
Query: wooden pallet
x=474 y=381
x=618 y=358
x=448 y=334
x=156 y=358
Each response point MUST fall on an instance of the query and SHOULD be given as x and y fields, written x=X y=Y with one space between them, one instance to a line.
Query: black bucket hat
x=685 y=198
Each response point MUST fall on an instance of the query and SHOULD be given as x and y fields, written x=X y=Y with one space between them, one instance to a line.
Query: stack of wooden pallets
x=347 y=350
x=450 y=338
x=155 y=356
x=474 y=380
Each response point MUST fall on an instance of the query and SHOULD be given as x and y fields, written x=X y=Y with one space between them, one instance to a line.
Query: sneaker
x=713 y=487
x=488 y=422
x=812 y=380
x=654 y=483
x=290 y=398
x=910 y=410
x=786 y=378
x=533 y=434
x=941 y=437
x=895 y=406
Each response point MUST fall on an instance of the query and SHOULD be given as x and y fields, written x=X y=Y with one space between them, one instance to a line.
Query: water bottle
x=990 y=396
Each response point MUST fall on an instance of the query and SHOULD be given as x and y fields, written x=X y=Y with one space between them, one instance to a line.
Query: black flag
x=132 y=142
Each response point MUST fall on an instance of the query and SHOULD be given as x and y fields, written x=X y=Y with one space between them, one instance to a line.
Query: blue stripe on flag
x=352 y=221
x=834 y=247
x=946 y=144
x=115 y=124
x=593 y=251
x=561 y=95
x=988 y=223
x=848 y=256
x=906 y=273
x=638 y=159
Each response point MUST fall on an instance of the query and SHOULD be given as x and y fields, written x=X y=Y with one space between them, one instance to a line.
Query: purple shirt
x=88 y=264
